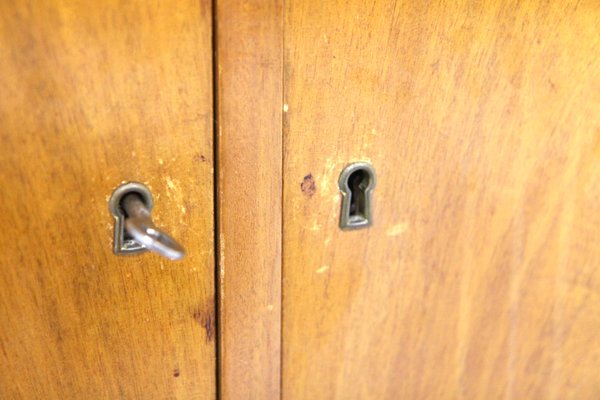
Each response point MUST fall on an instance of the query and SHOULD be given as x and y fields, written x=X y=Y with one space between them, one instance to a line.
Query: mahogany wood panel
x=93 y=94
x=249 y=140
x=480 y=277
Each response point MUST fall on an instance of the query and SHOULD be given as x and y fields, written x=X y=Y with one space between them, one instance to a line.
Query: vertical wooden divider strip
x=249 y=195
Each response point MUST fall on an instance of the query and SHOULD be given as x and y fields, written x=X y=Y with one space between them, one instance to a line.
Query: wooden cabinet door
x=93 y=93
x=480 y=276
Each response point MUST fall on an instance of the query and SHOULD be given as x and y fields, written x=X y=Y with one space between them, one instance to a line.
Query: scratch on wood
x=171 y=184
x=222 y=266
x=397 y=229
x=323 y=269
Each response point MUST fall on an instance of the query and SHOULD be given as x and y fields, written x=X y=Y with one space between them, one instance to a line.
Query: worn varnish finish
x=249 y=92
x=94 y=94
x=480 y=276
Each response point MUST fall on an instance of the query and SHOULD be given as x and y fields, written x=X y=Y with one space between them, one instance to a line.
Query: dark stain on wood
x=308 y=186
x=206 y=321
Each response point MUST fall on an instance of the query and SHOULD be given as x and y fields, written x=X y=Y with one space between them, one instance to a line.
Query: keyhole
x=356 y=183
x=123 y=242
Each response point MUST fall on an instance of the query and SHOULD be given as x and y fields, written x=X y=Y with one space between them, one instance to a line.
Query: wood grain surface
x=249 y=93
x=480 y=278
x=93 y=94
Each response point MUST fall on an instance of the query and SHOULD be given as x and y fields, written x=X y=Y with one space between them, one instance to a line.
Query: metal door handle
x=131 y=204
